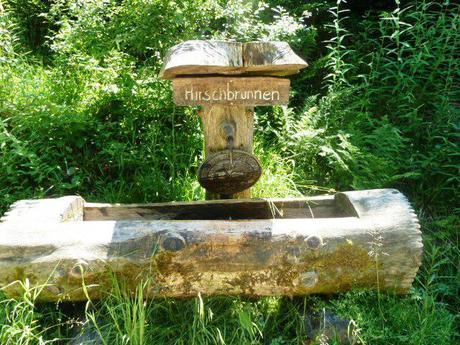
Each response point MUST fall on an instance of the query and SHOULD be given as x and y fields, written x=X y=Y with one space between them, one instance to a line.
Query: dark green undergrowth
x=83 y=111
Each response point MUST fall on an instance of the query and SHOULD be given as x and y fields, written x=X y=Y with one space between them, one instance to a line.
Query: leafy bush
x=249 y=21
x=389 y=116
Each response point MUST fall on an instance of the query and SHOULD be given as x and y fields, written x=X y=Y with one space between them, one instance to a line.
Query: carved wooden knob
x=309 y=279
x=173 y=242
x=314 y=242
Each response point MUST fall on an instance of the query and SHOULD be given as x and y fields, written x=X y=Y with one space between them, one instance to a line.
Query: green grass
x=82 y=111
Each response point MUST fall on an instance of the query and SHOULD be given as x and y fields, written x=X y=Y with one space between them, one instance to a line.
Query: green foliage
x=28 y=24
x=142 y=29
x=250 y=20
x=125 y=316
x=8 y=39
x=82 y=111
x=22 y=323
x=389 y=116
x=218 y=320
x=394 y=320
x=332 y=149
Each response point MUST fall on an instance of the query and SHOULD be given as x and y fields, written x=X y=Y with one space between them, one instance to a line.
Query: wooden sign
x=228 y=79
x=245 y=91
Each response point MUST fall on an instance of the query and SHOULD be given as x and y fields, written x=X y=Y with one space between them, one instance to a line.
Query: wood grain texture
x=242 y=119
x=203 y=57
x=271 y=58
x=229 y=172
x=251 y=257
x=199 y=57
x=229 y=209
x=243 y=91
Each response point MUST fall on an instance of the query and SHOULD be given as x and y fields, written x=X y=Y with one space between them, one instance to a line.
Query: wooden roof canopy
x=198 y=57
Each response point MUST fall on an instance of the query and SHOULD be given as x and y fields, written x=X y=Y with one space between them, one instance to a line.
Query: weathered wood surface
x=214 y=118
x=230 y=99
x=229 y=172
x=271 y=58
x=233 y=209
x=242 y=91
x=45 y=210
x=231 y=58
x=251 y=257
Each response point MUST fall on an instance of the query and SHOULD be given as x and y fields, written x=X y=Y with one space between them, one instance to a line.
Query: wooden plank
x=317 y=199
x=229 y=209
x=203 y=57
x=241 y=91
x=381 y=248
x=271 y=58
x=199 y=57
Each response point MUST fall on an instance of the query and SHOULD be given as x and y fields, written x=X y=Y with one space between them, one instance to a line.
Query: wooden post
x=228 y=79
x=214 y=118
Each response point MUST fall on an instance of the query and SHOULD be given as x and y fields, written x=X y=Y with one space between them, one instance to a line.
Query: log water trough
x=256 y=247
x=232 y=246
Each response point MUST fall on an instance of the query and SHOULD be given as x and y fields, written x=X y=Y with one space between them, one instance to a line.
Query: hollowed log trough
x=325 y=244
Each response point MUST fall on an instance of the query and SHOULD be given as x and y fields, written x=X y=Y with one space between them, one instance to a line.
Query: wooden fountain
x=233 y=245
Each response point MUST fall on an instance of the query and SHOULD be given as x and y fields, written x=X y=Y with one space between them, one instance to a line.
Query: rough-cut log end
x=58 y=210
x=388 y=212
x=198 y=57
x=325 y=244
